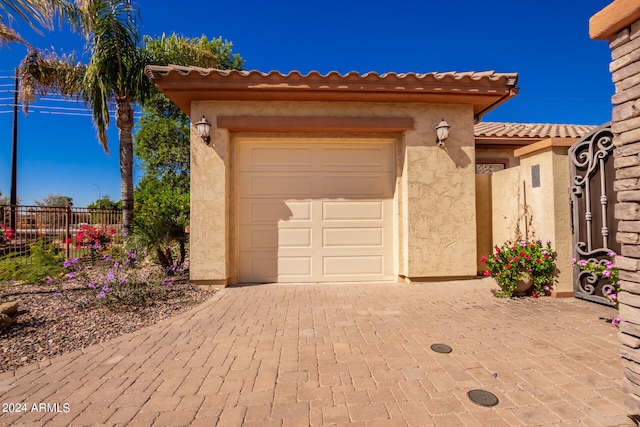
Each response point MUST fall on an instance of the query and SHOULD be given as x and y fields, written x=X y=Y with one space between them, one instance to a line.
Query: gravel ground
x=49 y=325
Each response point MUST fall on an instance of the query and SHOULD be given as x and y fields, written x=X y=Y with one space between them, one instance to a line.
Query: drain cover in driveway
x=483 y=398
x=441 y=348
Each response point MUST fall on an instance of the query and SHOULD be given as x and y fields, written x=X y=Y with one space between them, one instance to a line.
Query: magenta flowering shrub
x=6 y=233
x=516 y=260
x=96 y=239
x=603 y=269
x=120 y=282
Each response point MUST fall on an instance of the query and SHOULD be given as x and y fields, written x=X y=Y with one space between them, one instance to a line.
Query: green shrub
x=44 y=260
x=161 y=216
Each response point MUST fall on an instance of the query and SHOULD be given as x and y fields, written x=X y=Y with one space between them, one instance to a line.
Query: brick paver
x=341 y=354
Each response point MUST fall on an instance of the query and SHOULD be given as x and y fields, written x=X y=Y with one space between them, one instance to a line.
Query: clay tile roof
x=484 y=90
x=530 y=130
x=155 y=72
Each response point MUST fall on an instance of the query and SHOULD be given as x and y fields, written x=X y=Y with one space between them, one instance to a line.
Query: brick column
x=619 y=23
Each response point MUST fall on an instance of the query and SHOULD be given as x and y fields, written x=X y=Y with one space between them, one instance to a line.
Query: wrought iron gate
x=592 y=203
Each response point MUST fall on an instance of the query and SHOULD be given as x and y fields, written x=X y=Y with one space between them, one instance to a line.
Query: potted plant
x=526 y=267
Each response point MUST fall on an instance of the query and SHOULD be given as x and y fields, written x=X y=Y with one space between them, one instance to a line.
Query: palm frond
x=43 y=73
x=30 y=11
x=38 y=13
x=8 y=35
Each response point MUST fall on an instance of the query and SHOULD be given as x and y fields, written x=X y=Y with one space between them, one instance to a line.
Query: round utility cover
x=441 y=348
x=482 y=398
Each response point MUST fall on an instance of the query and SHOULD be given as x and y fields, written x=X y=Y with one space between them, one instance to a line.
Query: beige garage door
x=315 y=211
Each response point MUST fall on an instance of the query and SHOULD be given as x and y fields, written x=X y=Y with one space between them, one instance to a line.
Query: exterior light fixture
x=442 y=132
x=202 y=128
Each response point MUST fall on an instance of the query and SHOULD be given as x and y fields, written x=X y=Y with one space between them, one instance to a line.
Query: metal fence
x=56 y=225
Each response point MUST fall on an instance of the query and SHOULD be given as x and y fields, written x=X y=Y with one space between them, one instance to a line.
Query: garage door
x=315 y=211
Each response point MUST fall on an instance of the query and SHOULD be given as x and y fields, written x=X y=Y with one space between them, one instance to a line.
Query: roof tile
x=155 y=71
x=531 y=130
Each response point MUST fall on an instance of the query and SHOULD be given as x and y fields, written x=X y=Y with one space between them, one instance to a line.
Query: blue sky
x=564 y=75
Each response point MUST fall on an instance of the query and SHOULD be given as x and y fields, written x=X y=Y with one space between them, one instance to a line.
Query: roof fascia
x=183 y=87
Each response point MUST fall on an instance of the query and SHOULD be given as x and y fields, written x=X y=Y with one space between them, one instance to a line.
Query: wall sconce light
x=202 y=128
x=442 y=132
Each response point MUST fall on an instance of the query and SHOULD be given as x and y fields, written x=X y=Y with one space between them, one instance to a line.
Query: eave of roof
x=483 y=90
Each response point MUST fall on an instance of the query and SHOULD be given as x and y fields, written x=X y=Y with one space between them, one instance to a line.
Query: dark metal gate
x=592 y=203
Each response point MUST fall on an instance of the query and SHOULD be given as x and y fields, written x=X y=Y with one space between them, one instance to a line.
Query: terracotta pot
x=523 y=285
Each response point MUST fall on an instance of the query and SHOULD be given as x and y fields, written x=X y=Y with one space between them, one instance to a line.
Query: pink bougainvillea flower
x=483 y=259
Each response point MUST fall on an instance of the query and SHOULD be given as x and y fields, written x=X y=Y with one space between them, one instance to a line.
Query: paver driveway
x=340 y=354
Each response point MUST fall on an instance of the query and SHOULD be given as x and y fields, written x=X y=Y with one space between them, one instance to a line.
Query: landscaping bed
x=50 y=323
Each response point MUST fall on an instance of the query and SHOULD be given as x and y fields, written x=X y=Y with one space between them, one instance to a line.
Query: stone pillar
x=619 y=23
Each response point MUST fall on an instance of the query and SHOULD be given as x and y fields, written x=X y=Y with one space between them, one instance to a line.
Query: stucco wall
x=540 y=199
x=562 y=242
x=440 y=196
x=506 y=204
x=548 y=213
x=208 y=224
x=483 y=218
x=550 y=208
x=435 y=194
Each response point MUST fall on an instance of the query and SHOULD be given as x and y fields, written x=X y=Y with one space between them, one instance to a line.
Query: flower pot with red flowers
x=522 y=268
x=524 y=285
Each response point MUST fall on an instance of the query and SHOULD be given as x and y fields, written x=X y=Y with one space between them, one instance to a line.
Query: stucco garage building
x=332 y=178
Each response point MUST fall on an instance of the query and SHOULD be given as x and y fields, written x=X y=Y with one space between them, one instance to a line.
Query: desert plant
x=44 y=260
x=117 y=282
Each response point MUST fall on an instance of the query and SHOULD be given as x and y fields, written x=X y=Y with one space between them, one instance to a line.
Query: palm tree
x=36 y=13
x=113 y=76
